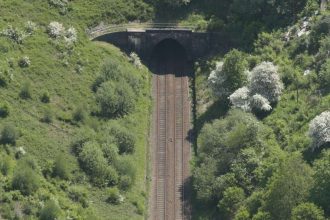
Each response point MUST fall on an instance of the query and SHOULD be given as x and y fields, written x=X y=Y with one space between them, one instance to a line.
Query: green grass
x=67 y=74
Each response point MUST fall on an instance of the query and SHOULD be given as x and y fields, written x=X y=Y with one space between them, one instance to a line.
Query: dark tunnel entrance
x=170 y=57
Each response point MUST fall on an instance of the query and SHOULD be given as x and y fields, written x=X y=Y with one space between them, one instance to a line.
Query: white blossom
x=24 y=61
x=71 y=35
x=261 y=103
x=217 y=78
x=241 y=99
x=319 y=129
x=135 y=59
x=30 y=27
x=14 y=34
x=55 y=29
x=266 y=81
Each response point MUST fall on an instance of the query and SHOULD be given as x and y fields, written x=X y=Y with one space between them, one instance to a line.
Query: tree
x=265 y=81
x=307 y=211
x=321 y=191
x=230 y=74
x=289 y=187
x=115 y=99
x=264 y=88
x=231 y=201
x=319 y=130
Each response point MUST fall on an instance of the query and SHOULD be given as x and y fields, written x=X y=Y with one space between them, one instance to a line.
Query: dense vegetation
x=263 y=122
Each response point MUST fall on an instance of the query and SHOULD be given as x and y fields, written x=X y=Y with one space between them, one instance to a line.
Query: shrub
x=125 y=182
x=114 y=196
x=78 y=194
x=51 y=211
x=70 y=35
x=48 y=116
x=115 y=99
x=6 y=164
x=110 y=152
x=9 y=134
x=14 y=34
x=324 y=76
x=319 y=130
x=45 y=98
x=4 y=110
x=125 y=140
x=79 y=114
x=25 y=92
x=95 y=164
x=61 y=168
x=25 y=180
x=24 y=62
x=30 y=27
x=55 y=29
x=135 y=60
x=125 y=167
x=307 y=211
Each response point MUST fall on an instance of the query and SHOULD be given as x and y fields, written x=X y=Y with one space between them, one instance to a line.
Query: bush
x=48 y=116
x=25 y=91
x=4 y=110
x=51 y=211
x=110 y=152
x=78 y=194
x=125 y=182
x=14 y=34
x=9 y=135
x=125 y=140
x=115 y=99
x=61 y=168
x=114 y=196
x=55 y=29
x=6 y=164
x=80 y=114
x=25 y=180
x=95 y=164
x=324 y=76
x=45 y=98
x=24 y=62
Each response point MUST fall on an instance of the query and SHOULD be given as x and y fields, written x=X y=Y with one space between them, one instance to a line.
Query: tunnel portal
x=169 y=56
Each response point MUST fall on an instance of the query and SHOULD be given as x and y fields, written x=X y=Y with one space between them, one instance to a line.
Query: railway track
x=171 y=148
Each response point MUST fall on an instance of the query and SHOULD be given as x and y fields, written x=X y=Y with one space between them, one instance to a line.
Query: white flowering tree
x=241 y=99
x=264 y=88
x=266 y=81
x=319 y=130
